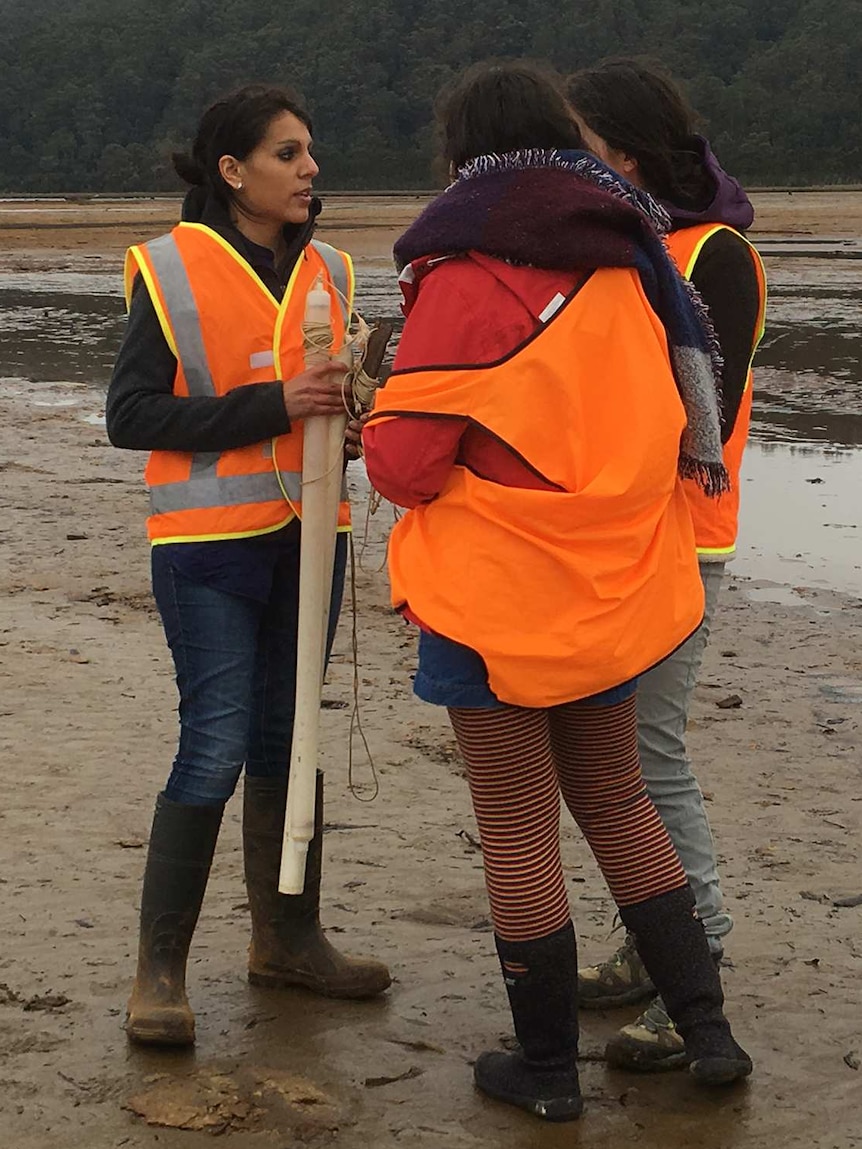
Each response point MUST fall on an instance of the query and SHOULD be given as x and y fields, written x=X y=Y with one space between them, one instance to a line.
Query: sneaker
x=621 y=980
x=648 y=1045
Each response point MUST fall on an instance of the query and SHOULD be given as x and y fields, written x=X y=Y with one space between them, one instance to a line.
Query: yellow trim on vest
x=351 y=286
x=161 y=315
x=243 y=535
x=716 y=550
x=128 y=275
x=224 y=537
x=761 y=326
x=689 y=268
x=235 y=255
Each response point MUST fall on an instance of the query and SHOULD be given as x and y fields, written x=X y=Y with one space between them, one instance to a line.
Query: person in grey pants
x=664 y=695
x=635 y=120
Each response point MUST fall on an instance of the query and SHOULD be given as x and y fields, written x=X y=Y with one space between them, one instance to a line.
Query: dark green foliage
x=95 y=94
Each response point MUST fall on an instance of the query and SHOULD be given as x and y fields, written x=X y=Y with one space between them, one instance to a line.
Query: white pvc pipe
x=323 y=438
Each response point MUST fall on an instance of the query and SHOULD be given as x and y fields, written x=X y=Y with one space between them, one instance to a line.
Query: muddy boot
x=541 y=1077
x=182 y=843
x=674 y=949
x=288 y=946
x=621 y=980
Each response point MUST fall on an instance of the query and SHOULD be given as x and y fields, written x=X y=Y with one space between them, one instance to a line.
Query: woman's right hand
x=317 y=391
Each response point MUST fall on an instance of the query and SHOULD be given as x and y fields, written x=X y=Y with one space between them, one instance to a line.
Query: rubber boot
x=288 y=946
x=541 y=1077
x=673 y=947
x=182 y=843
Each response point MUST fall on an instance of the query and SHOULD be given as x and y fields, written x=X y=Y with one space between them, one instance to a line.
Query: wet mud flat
x=801 y=515
x=87 y=729
x=366 y=224
x=87 y=736
x=59 y=228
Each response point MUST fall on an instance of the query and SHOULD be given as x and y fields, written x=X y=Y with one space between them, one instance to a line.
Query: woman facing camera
x=211 y=380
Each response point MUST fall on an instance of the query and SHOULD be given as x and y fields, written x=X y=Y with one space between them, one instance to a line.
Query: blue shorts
x=450 y=674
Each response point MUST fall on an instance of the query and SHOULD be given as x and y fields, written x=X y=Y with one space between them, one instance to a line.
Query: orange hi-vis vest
x=716 y=521
x=571 y=591
x=227 y=330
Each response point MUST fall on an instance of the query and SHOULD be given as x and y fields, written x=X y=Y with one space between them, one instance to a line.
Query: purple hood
x=728 y=205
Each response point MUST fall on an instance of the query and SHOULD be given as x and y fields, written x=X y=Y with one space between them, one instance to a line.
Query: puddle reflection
x=67 y=325
x=801 y=518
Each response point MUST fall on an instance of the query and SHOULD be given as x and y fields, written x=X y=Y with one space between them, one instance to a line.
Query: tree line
x=96 y=94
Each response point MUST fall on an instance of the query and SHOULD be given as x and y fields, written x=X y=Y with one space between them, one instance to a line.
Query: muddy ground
x=88 y=729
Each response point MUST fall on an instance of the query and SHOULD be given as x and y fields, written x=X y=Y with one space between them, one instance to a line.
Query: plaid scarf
x=564 y=210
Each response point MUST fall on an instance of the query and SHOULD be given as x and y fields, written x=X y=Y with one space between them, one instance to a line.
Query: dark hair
x=639 y=110
x=234 y=126
x=503 y=107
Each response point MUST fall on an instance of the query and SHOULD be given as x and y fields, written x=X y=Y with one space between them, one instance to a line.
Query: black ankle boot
x=542 y=1077
x=673 y=947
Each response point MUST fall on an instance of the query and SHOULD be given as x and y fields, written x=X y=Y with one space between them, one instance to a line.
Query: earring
x=239 y=186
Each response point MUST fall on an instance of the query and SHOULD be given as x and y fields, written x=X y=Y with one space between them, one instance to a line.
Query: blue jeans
x=235 y=661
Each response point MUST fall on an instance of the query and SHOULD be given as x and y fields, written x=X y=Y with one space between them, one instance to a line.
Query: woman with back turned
x=634 y=119
x=210 y=380
x=552 y=384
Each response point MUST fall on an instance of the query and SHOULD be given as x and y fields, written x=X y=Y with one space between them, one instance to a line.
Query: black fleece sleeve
x=727 y=281
x=143 y=414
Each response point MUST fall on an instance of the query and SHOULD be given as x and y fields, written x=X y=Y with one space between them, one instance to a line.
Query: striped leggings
x=519 y=761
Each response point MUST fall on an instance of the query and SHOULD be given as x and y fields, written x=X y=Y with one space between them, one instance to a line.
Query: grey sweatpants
x=664 y=696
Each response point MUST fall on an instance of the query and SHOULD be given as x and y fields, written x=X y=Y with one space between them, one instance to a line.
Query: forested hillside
x=95 y=94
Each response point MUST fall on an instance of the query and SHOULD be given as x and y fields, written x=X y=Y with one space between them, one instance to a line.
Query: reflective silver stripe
x=338 y=274
x=182 y=312
x=227 y=491
x=261 y=359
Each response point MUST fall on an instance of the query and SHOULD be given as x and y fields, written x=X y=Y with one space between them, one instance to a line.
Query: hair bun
x=188 y=169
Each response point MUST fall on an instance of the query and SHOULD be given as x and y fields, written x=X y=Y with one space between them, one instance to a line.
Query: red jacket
x=447 y=301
